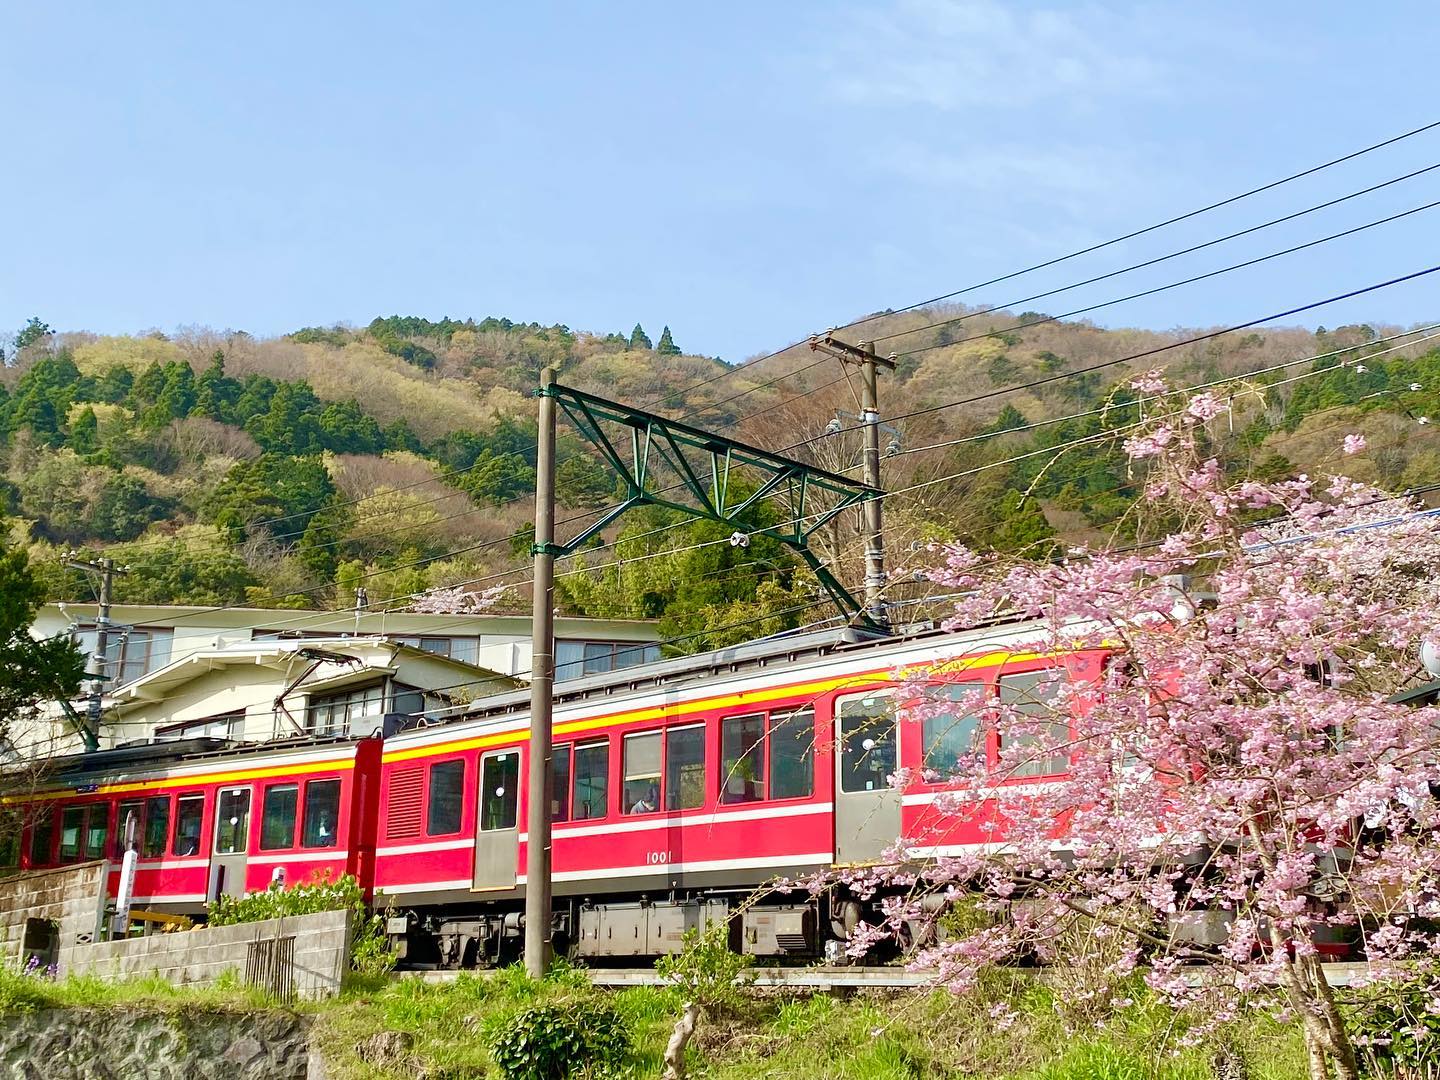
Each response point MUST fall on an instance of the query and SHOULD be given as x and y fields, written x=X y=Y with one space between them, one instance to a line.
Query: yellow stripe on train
x=658 y=712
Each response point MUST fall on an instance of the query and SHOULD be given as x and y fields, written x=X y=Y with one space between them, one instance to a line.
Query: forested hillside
x=223 y=468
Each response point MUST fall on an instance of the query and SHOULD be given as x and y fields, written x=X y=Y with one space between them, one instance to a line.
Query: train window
x=42 y=837
x=447 y=794
x=157 y=826
x=685 y=768
x=322 y=814
x=867 y=742
x=641 y=793
x=560 y=783
x=952 y=733
x=232 y=821
x=742 y=758
x=189 y=815
x=72 y=819
x=792 y=754
x=277 y=816
x=97 y=829
x=1035 y=694
x=128 y=827
x=499 y=790
x=592 y=781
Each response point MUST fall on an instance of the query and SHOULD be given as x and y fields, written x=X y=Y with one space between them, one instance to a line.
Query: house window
x=129 y=651
x=574 y=659
x=225 y=726
x=338 y=714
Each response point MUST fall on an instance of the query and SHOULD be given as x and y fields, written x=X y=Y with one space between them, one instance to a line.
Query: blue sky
x=746 y=172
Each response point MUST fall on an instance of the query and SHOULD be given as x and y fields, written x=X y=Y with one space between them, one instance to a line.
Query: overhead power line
x=1144 y=354
x=1057 y=260
x=1172 y=255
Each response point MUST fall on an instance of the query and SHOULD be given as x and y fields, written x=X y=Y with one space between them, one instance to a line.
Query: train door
x=231 y=856
x=867 y=805
x=497 y=836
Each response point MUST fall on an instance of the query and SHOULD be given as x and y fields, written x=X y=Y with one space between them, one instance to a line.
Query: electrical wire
x=1176 y=219
x=1136 y=356
x=1172 y=285
x=1162 y=258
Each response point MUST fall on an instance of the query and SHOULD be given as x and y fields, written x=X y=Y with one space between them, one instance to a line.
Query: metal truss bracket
x=666 y=459
x=549 y=549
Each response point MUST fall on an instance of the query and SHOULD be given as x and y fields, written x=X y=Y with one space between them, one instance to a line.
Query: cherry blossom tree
x=1236 y=787
x=457 y=600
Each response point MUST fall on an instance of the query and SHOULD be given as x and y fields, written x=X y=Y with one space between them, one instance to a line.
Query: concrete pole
x=542 y=685
x=102 y=643
x=874 y=520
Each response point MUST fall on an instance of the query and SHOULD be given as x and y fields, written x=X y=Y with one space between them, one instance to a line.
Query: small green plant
x=370 y=954
x=1395 y=1032
x=554 y=1041
x=706 y=970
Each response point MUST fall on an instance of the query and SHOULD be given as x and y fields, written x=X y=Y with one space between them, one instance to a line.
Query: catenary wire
x=1078 y=252
x=1159 y=259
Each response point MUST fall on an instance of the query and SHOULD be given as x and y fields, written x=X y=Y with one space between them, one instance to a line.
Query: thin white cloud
x=959 y=54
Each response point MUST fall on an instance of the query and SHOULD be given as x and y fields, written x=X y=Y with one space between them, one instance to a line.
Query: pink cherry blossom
x=1354 y=444
x=1236 y=765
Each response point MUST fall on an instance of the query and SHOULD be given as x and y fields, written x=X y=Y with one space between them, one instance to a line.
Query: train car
x=206 y=818
x=681 y=787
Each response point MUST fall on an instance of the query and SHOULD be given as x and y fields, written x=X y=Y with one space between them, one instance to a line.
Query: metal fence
x=270 y=966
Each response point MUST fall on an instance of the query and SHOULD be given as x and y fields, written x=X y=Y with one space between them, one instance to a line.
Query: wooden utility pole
x=542 y=686
x=106 y=568
x=863 y=356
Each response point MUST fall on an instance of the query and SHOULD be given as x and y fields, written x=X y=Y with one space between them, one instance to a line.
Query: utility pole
x=863 y=356
x=106 y=568
x=542 y=684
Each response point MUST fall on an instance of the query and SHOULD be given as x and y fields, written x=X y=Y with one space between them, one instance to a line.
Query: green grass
x=775 y=1035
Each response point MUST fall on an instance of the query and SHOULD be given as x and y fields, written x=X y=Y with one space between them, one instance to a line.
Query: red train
x=680 y=787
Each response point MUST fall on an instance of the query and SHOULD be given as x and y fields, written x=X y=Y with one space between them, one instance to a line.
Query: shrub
x=1396 y=1033
x=369 y=952
x=550 y=1042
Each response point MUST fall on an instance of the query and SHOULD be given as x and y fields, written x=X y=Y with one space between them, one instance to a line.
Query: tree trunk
x=679 y=1039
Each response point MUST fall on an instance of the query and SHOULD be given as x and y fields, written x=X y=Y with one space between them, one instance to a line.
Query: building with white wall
x=261 y=673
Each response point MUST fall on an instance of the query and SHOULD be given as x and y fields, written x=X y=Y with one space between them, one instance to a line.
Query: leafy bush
x=1396 y=1033
x=553 y=1041
x=369 y=952
x=706 y=971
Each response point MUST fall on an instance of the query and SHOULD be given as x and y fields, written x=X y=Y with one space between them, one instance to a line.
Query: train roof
x=776 y=651
x=161 y=752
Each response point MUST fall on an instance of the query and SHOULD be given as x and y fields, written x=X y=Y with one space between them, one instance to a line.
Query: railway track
x=834 y=978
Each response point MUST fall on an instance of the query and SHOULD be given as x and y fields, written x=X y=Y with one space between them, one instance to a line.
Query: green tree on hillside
x=31 y=332
x=31 y=671
x=639 y=339
x=85 y=432
x=667 y=346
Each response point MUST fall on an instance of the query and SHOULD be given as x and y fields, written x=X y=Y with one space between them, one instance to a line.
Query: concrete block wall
x=322 y=952
x=69 y=896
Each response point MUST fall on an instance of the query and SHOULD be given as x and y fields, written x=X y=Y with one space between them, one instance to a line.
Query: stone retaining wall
x=68 y=897
x=320 y=959
x=188 y=1044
